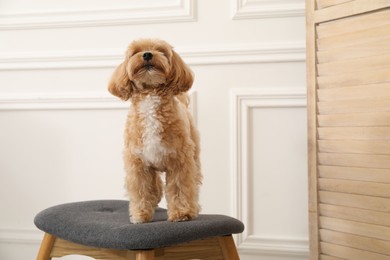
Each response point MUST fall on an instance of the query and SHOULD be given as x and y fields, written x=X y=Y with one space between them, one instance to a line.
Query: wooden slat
x=353 y=200
x=354 y=173
x=354 y=146
x=354 y=133
x=355 y=160
x=326 y=3
x=379 y=119
x=355 y=187
x=354 y=79
x=312 y=128
x=349 y=9
x=377 y=62
x=356 y=228
x=354 y=214
x=354 y=106
x=358 y=242
x=350 y=253
x=353 y=38
x=353 y=23
x=355 y=92
x=361 y=119
x=358 y=50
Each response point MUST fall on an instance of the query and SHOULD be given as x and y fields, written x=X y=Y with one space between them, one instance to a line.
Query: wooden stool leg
x=144 y=255
x=46 y=247
x=228 y=247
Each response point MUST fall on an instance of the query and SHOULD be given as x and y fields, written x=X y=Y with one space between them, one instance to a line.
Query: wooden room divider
x=348 y=68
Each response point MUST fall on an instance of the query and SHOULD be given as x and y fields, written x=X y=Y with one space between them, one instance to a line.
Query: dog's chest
x=153 y=150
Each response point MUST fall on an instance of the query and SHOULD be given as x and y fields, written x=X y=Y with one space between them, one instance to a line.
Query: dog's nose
x=147 y=56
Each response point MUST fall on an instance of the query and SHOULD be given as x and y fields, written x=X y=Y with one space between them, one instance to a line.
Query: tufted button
x=110 y=210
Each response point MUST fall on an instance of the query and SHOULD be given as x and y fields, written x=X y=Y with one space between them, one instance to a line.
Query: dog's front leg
x=144 y=189
x=182 y=188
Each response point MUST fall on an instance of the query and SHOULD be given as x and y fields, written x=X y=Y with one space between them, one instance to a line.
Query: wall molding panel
x=60 y=101
x=194 y=56
x=242 y=100
x=148 y=12
x=276 y=246
x=60 y=60
x=71 y=101
x=20 y=236
x=257 y=9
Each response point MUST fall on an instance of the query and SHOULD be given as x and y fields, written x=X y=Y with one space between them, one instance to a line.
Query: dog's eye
x=164 y=51
x=133 y=52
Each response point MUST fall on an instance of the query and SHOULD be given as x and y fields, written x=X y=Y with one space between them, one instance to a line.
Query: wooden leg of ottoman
x=228 y=247
x=145 y=255
x=46 y=247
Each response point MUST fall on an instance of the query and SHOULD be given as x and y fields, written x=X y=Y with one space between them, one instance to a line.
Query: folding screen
x=348 y=64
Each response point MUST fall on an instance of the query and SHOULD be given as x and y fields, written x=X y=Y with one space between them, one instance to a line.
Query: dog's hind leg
x=196 y=139
x=157 y=188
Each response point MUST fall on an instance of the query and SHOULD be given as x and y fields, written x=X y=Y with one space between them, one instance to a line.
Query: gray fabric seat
x=105 y=224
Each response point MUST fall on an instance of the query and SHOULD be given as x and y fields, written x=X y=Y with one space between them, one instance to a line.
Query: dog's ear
x=180 y=77
x=120 y=84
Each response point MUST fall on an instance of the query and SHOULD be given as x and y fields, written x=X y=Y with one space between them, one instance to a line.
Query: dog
x=160 y=134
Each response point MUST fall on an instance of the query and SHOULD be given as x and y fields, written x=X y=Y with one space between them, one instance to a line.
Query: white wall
x=61 y=132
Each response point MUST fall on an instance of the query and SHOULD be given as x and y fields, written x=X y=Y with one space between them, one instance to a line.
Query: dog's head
x=150 y=65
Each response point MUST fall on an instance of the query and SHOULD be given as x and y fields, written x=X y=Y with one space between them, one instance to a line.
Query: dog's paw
x=140 y=219
x=180 y=216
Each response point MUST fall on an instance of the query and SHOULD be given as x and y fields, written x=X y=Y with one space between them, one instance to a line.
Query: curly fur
x=160 y=135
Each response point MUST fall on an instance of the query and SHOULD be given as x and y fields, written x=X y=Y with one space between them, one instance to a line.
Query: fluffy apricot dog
x=160 y=134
